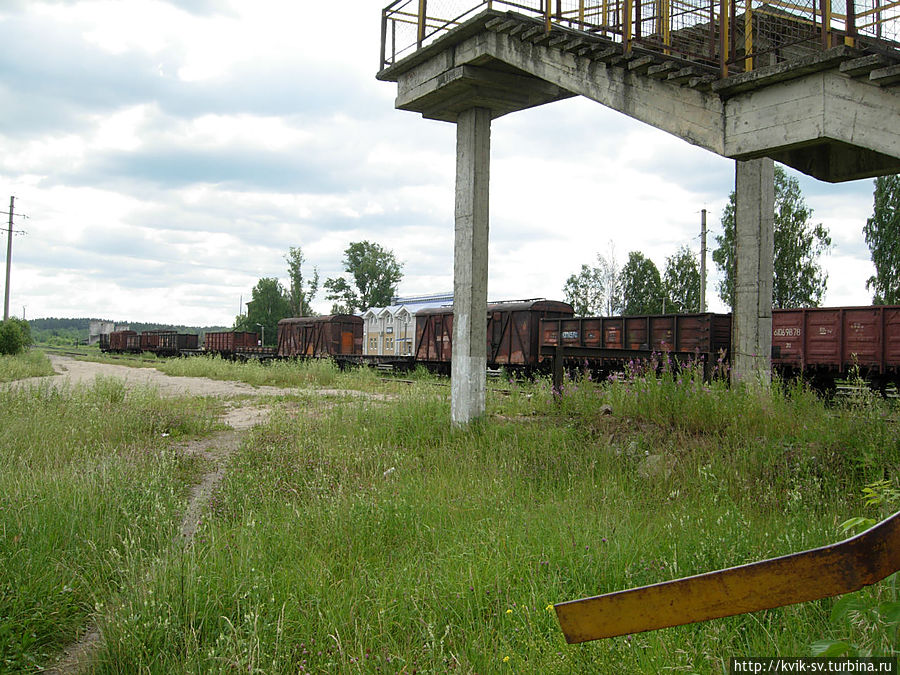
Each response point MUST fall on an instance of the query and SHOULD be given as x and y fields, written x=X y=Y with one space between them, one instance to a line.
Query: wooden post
x=558 y=369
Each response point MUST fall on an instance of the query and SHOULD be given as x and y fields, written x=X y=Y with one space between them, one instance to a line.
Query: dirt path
x=240 y=416
x=76 y=372
x=216 y=449
x=72 y=371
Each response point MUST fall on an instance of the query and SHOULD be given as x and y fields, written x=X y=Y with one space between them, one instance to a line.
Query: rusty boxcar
x=228 y=342
x=320 y=336
x=172 y=344
x=118 y=340
x=605 y=343
x=825 y=343
x=513 y=333
x=706 y=333
x=150 y=339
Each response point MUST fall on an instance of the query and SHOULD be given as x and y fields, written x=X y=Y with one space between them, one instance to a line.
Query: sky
x=168 y=153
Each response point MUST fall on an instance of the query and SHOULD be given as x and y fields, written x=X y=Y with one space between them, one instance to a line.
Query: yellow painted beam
x=818 y=573
x=626 y=26
x=423 y=19
x=748 y=36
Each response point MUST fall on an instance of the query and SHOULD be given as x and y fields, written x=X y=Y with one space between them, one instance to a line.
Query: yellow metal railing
x=824 y=572
x=730 y=35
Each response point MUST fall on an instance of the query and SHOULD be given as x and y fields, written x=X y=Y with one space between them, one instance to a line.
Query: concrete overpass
x=760 y=82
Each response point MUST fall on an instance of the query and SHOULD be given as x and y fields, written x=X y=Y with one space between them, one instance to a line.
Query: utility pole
x=703 y=260
x=12 y=204
x=9 y=231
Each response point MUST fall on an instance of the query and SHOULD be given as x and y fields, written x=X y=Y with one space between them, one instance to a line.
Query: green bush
x=15 y=335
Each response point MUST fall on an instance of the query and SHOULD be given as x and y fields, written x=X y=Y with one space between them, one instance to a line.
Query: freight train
x=160 y=342
x=821 y=344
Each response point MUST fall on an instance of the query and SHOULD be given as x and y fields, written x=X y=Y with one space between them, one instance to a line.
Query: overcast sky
x=168 y=153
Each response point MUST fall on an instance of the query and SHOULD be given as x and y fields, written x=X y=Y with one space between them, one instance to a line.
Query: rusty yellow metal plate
x=818 y=573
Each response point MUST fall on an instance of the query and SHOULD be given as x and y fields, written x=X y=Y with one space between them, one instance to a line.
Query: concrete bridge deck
x=832 y=114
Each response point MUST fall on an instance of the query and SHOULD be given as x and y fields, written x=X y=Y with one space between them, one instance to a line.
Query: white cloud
x=170 y=153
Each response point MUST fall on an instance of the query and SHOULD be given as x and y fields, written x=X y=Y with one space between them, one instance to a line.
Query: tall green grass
x=90 y=493
x=31 y=363
x=279 y=373
x=372 y=537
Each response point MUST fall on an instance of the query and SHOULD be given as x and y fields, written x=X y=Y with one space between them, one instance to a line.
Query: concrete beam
x=470 y=266
x=751 y=340
x=824 y=124
x=692 y=115
x=804 y=113
x=460 y=88
x=506 y=74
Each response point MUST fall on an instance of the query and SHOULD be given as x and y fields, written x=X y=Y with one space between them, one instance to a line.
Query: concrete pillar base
x=751 y=342
x=470 y=266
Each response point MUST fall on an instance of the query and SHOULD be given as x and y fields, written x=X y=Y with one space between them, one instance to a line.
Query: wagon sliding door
x=347 y=340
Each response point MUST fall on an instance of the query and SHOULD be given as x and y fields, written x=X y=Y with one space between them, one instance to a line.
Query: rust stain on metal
x=818 y=573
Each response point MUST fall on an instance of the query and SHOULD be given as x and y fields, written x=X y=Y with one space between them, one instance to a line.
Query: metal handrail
x=730 y=33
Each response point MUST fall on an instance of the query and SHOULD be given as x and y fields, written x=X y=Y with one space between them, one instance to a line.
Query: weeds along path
x=216 y=450
x=74 y=371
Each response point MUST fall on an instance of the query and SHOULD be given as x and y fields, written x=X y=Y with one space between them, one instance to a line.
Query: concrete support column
x=470 y=266
x=751 y=341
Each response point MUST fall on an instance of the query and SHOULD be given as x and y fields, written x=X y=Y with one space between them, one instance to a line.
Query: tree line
x=637 y=287
x=800 y=281
x=372 y=274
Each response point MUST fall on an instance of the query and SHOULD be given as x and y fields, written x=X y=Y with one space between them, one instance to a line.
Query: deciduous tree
x=642 y=286
x=375 y=273
x=596 y=290
x=611 y=280
x=799 y=279
x=15 y=336
x=584 y=291
x=681 y=282
x=882 y=233
x=300 y=291
x=268 y=305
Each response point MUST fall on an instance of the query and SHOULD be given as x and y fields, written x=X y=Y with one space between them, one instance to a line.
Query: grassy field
x=366 y=535
x=32 y=363
x=317 y=372
x=89 y=495
x=278 y=373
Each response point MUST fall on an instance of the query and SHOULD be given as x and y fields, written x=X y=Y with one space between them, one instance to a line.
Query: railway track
x=107 y=355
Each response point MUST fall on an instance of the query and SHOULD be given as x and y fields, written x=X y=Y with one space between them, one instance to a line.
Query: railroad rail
x=823 y=572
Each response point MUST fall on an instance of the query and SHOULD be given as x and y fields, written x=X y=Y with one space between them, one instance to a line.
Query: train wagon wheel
x=823 y=384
